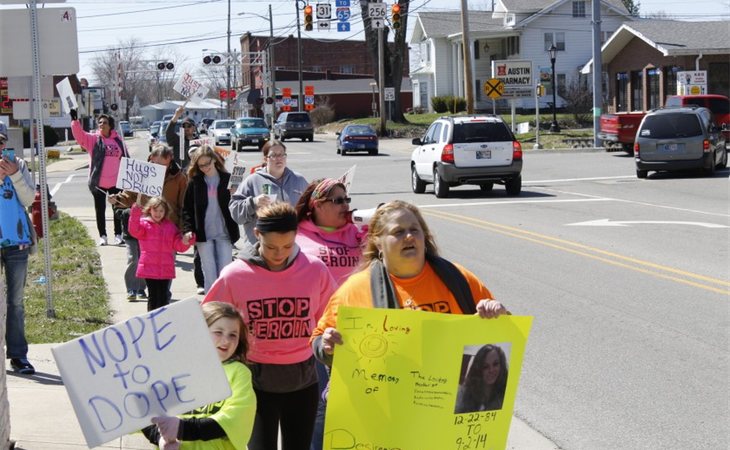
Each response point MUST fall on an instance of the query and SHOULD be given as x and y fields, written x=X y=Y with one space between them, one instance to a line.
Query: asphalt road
x=628 y=281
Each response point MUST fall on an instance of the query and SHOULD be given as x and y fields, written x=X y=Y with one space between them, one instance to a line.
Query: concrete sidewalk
x=41 y=415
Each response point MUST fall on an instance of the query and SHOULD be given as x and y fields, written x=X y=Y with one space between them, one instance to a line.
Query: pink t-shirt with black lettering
x=280 y=308
x=339 y=250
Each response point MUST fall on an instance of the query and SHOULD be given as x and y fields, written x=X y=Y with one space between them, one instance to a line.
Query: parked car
x=167 y=117
x=357 y=138
x=204 y=125
x=294 y=125
x=126 y=128
x=161 y=135
x=479 y=150
x=249 y=131
x=718 y=104
x=154 y=134
x=220 y=131
x=679 y=139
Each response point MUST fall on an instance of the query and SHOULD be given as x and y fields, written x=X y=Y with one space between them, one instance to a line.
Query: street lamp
x=554 y=127
x=272 y=67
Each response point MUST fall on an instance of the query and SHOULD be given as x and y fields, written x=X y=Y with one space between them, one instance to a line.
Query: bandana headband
x=278 y=224
x=323 y=188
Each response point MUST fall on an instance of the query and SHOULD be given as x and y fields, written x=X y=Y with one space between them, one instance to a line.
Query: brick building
x=642 y=59
x=329 y=62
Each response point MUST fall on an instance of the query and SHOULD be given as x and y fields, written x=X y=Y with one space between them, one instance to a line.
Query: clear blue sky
x=188 y=27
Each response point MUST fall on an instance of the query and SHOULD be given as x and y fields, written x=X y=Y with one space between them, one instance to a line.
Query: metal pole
x=299 y=59
x=537 y=119
x=50 y=312
x=272 y=66
x=597 y=72
x=554 y=127
x=228 y=65
x=381 y=82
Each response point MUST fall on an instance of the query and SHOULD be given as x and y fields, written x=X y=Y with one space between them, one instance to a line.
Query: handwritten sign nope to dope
x=141 y=176
x=190 y=89
x=159 y=363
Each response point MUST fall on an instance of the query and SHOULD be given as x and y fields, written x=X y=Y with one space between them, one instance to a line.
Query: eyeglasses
x=277 y=156
x=103 y=122
x=338 y=200
x=204 y=165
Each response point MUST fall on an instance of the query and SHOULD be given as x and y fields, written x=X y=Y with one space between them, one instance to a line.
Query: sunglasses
x=338 y=200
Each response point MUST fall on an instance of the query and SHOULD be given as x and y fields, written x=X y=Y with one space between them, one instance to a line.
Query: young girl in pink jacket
x=159 y=239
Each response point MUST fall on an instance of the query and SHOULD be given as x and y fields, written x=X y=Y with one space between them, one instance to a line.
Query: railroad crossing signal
x=493 y=88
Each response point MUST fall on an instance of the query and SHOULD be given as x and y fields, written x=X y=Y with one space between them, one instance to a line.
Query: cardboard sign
x=190 y=89
x=159 y=363
x=237 y=175
x=68 y=98
x=141 y=176
x=399 y=381
x=347 y=178
x=230 y=158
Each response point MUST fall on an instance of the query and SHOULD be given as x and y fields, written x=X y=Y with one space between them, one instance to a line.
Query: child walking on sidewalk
x=222 y=425
x=159 y=239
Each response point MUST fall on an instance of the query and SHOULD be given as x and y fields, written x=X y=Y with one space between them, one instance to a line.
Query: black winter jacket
x=196 y=203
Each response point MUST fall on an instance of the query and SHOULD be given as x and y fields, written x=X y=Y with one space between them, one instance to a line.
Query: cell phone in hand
x=9 y=153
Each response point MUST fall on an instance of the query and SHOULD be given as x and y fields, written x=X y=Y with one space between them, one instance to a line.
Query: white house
x=515 y=30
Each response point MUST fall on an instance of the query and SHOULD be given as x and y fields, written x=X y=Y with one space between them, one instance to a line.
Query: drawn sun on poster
x=374 y=346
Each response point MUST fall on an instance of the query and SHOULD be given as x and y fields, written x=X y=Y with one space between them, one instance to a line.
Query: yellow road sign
x=493 y=88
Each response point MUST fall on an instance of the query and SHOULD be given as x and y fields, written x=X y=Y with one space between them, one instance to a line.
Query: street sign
x=343 y=14
x=343 y=26
x=308 y=90
x=389 y=94
x=324 y=11
x=323 y=24
x=378 y=23
x=493 y=88
x=516 y=76
x=342 y=3
x=309 y=99
x=376 y=10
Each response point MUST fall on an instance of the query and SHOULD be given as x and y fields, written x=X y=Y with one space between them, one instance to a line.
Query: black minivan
x=294 y=125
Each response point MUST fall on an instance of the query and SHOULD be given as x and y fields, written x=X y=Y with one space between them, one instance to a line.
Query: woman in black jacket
x=205 y=212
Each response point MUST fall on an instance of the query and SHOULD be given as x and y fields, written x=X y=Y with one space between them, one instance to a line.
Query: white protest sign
x=68 y=98
x=237 y=175
x=347 y=178
x=159 y=363
x=190 y=89
x=140 y=176
x=230 y=158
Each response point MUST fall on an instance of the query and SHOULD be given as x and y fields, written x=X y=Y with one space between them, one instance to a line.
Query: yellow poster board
x=401 y=376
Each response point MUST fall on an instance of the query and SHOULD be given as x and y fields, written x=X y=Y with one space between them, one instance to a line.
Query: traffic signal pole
x=300 y=99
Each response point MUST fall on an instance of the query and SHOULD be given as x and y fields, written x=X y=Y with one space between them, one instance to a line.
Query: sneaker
x=131 y=296
x=22 y=366
x=118 y=239
x=102 y=241
x=201 y=290
x=141 y=295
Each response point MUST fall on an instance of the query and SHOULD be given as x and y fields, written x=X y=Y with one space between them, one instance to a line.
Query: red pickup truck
x=619 y=130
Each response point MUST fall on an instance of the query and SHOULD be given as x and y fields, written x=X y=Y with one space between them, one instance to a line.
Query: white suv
x=479 y=150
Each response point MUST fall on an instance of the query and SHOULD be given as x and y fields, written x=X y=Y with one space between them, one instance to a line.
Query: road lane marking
x=576 y=248
x=516 y=202
x=563 y=180
x=626 y=223
x=57 y=186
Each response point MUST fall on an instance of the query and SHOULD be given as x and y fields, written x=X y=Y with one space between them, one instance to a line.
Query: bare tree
x=632 y=7
x=393 y=57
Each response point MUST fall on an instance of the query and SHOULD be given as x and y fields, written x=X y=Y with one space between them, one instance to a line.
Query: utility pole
x=468 y=83
x=299 y=58
x=272 y=66
x=597 y=74
x=381 y=83
x=228 y=65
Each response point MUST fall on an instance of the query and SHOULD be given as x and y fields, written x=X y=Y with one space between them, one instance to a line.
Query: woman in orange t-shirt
x=401 y=251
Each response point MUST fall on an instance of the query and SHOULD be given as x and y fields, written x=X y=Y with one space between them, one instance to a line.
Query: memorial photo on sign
x=483 y=378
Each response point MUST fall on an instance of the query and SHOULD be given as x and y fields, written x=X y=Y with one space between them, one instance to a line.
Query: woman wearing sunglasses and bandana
x=273 y=183
x=106 y=150
x=326 y=232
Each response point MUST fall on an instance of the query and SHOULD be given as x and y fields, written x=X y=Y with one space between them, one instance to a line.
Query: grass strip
x=79 y=290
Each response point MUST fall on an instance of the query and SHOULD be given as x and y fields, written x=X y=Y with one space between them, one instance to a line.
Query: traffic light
x=308 y=18
x=395 y=16
x=215 y=59
x=165 y=65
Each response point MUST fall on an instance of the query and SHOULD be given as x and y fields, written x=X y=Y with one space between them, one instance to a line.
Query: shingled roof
x=442 y=24
x=673 y=37
x=532 y=6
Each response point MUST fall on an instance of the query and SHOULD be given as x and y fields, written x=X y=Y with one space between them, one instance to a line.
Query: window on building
x=476 y=49
x=670 y=79
x=653 y=82
x=423 y=93
x=555 y=38
x=478 y=90
x=560 y=81
x=579 y=9
x=425 y=51
x=605 y=35
x=636 y=79
x=347 y=68
x=512 y=45
x=622 y=87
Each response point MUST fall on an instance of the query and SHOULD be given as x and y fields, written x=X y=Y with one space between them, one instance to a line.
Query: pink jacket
x=158 y=243
x=87 y=141
x=339 y=250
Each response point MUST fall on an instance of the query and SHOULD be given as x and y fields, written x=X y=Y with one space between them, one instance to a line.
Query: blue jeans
x=215 y=254
x=15 y=264
x=131 y=281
